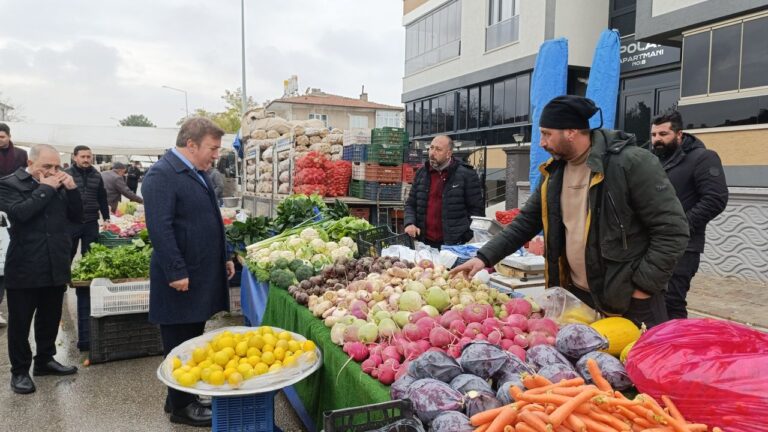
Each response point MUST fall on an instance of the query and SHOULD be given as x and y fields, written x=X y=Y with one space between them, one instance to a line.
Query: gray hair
x=197 y=128
x=37 y=150
x=449 y=139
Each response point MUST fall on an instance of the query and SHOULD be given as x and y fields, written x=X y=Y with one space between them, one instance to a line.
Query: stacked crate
x=384 y=170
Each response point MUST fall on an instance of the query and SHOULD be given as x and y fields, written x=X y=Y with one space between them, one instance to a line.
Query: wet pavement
x=115 y=396
x=126 y=395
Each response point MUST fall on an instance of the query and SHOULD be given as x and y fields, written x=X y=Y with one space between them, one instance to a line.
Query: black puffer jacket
x=92 y=193
x=462 y=198
x=698 y=178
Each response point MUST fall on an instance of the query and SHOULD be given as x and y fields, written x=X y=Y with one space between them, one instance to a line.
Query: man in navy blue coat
x=189 y=267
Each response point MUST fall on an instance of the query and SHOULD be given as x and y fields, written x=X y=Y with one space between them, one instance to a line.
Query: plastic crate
x=374 y=191
x=389 y=136
x=253 y=413
x=392 y=416
x=113 y=240
x=120 y=337
x=409 y=172
x=357 y=188
x=109 y=298
x=355 y=153
x=386 y=154
x=371 y=242
x=360 y=212
x=415 y=156
x=358 y=170
x=383 y=174
x=234 y=301
x=83 y=318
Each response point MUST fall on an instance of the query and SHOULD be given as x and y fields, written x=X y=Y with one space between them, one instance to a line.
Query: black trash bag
x=482 y=359
x=435 y=364
x=429 y=397
x=575 y=340
x=465 y=383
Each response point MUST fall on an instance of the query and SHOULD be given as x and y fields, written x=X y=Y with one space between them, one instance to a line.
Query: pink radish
x=517 y=320
x=449 y=317
x=357 y=350
x=489 y=325
x=509 y=332
x=544 y=325
x=419 y=314
x=423 y=345
x=494 y=337
x=440 y=337
x=475 y=313
x=537 y=338
x=481 y=337
x=368 y=365
x=518 y=351
x=506 y=343
x=454 y=351
x=521 y=341
x=426 y=324
x=390 y=352
x=458 y=327
x=473 y=329
x=519 y=306
x=412 y=332
x=403 y=369
x=376 y=359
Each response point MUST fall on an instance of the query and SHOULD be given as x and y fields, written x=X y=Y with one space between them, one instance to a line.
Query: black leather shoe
x=54 y=368
x=22 y=384
x=192 y=415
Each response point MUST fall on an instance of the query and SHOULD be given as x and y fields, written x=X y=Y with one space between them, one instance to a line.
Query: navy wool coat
x=187 y=235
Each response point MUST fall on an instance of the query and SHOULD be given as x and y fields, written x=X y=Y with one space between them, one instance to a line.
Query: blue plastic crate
x=254 y=413
x=355 y=153
x=83 y=318
x=374 y=191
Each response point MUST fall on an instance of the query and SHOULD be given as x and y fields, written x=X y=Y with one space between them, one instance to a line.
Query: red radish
x=437 y=349
x=357 y=350
x=551 y=340
x=545 y=325
x=411 y=350
x=481 y=337
x=440 y=337
x=454 y=351
x=375 y=349
x=509 y=332
x=536 y=338
x=449 y=317
x=517 y=320
x=412 y=332
x=475 y=313
x=423 y=345
x=376 y=359
x=494 y=337
x=463 y=341
x=375 y=373
x=403 y=370
x=519 y=306
x=368 y=365
x=427 y=323
x=518 y=351
x=489 y=325
x=520 y=341
x=506 y=343
x=416 y=316
x=390 y=352
x=458 y=327
x=473 y=329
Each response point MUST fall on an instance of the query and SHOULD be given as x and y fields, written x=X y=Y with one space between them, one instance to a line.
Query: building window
x=473 y=108
x=622 y=16
x=463 y=109
x=417 y=119
x=389 y=119
x=358 y=122
x=503 y=23
x=498 y=103
x=434 y=38
x=726 y=58
x=409 y=117
x=485 y=106
x=322 y=117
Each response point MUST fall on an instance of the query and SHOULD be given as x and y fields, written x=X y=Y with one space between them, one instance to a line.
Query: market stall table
x=338 y=384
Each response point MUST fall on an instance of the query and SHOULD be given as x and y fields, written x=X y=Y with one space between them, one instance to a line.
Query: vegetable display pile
x=126 y=226
x=254 y=229
x=124 y=262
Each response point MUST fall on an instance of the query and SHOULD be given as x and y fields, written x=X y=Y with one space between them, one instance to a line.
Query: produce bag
x=716 y=372
x=337 y=179
x=564 y=307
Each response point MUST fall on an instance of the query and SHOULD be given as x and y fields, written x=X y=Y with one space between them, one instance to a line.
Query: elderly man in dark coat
x=190 y=267
x=41 y=201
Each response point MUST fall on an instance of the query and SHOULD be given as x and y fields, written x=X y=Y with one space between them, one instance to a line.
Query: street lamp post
x=186 y=103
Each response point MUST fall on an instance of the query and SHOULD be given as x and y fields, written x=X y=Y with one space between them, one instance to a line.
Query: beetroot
x=451 y=421
x=399 y=388
x=556 y=372
x=519 y=306
x=465 y=383
x=610 y=366
x=479 y=401
x=575 y=340
x=431 y=397
x=434 y=364
x=482 y=359
x=543 y=355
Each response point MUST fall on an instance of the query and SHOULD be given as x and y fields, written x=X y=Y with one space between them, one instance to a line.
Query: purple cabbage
x=451 y=421
x=544 y=355
x=557 y=372
x=465 y=383
x=476 y=402
x=431 y=397
x=482 y=359
x=613 y=370
x=575 y=340
x=435 y=364
x=400 y=387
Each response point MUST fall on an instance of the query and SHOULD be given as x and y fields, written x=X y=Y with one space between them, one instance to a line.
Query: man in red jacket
x=11 y=159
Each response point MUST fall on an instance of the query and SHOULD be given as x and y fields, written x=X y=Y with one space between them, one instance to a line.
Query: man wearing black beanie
x=613 y=226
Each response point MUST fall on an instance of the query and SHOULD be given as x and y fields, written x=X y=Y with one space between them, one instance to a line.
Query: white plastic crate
x=357 y=136
x=234 y=301
x=358 y=170
x=109 y=298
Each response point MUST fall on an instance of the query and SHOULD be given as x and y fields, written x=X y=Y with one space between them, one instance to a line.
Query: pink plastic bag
x=716 y=372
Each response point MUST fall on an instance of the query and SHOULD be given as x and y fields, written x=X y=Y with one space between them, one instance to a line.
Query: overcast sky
x=92 y=61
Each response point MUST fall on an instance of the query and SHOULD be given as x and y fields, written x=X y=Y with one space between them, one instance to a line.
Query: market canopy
x=103 y=140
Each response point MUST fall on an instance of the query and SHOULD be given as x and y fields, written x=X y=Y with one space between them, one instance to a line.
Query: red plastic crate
x=360 y=212
x=383 y=174
x=409 y=172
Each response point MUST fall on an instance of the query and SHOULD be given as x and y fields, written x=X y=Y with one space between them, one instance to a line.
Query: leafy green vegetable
x=241 y=234
x=337 y=210
x=296 y=211
x=347 y=227
x=123 y=262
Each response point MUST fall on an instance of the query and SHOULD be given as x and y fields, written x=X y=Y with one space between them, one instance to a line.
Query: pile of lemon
x=235 y=357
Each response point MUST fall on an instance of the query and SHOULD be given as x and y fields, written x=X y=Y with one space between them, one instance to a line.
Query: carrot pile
x=573 y=406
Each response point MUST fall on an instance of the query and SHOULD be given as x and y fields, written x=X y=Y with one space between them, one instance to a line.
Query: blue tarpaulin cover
x=603 y=87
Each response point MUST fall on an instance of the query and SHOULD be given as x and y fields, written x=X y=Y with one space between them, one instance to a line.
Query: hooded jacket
x=698 y=177
x=636 y=228
x=462 y=199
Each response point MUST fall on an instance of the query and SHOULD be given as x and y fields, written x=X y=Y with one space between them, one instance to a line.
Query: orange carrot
x=575 y=423
x=534 y=422
x=697 y=427
x=677 y=425
x=609 y=420
x=534 y=407
x=573 y=382
x=507 y=416
x=594 y=426
x=483 y=428
x=562 y=412
x=673 y=411
x=515 y=392
x=522 y=427
x=597 y=375
x=509 y=428
x=716 y=429
x=569 y=391
x=484 y=417
x=658 y=429
x=535 y=381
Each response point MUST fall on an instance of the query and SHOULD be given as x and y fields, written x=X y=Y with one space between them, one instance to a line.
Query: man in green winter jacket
x=613 y=226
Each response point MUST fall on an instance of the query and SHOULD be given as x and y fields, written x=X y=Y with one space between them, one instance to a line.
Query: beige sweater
x=574 y=202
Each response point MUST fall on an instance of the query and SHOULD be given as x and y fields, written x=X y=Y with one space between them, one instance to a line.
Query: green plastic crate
x=110 y=240
x=389 y=136
x=357 y=188
x=386 y=154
